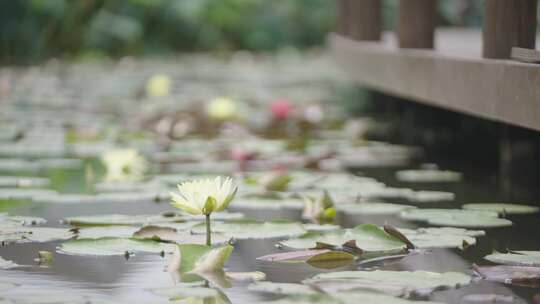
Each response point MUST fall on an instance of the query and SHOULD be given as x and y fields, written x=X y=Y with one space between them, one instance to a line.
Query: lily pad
x=108 y=231
x=397 y=283
x=320 y=227
x=23 y=193
x=19 y=220
x=111 y=246
x=456 y=218
x=201 y=258
x=23 y=182
x=516 y=258
x=267 y=204
x=33 y=234
x=123 y=219
x=428 y=176
x=425 y=196
x=369 y=238
x=248 y=229
x=515 y=275
x=319 y=258
x=372 y=208
x=444 y=237
x=251 y=276
x=503 y=208
x=170 y=234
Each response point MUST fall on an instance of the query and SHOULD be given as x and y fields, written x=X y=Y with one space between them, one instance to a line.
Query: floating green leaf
x=248 y=229
x=372 y=208
x=444 y=237
x=428 y=176
x=121 y=219
x=320 y=258
x=33 y=234
x=19 y=220
x=267 y=204
x=201 y=258
x=169 y=234
x=129 y=220
x=502 y=208
x=397 y=283
x=456 y=218
x=425 y=196
x=104 y=231
x=246 y=276
x=516 y=258
x=369 y=238
x=112 y=246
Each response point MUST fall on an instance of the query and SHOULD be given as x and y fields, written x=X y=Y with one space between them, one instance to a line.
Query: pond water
x=128 y=280
x=131 y=279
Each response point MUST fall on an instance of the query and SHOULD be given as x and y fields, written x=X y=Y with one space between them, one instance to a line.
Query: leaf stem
x=208 y=231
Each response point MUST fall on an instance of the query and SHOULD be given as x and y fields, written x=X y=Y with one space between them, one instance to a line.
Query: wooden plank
x=525 y=55
x=507 y=24
x=500 y=90
x=416 y=23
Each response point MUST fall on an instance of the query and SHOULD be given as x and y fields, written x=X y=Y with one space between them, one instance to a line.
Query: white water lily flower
x=204 y=196
x=124 y=165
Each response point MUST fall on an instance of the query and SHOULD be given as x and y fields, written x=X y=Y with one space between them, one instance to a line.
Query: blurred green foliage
x=32 y=30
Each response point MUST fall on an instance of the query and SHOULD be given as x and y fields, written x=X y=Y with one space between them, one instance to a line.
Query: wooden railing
x=507 y=24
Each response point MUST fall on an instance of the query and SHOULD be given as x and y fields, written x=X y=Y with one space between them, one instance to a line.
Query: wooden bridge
x=464 y=70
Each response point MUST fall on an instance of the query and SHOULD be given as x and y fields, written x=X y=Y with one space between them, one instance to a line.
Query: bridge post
x=508 y=23
x=343 y=17
x=366 y=20
x=416 y=24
